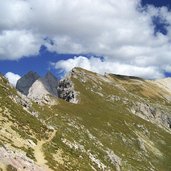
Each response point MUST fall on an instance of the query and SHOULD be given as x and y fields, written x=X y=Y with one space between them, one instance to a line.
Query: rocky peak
x=51 y=83
x=49 y=75
x=46 y=85
x=24 y=83
x=37 y=88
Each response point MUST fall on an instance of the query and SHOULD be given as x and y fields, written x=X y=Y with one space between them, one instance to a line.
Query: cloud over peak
x=102 y=66
x=123 y=32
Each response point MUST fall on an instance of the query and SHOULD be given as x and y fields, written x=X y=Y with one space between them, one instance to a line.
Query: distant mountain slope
x=117 y=123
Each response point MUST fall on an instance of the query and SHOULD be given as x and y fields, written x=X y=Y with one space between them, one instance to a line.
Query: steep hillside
x=109 y=122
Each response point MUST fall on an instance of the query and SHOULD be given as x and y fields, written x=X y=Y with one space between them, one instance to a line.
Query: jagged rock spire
x=24 y=83
x=44 y=86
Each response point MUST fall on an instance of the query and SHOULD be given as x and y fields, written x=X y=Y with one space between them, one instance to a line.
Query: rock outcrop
x=24 y=83
x=152 y=114
x=66 y=91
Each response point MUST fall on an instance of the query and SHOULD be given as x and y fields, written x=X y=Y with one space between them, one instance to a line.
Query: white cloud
x=12 y=78
x=101 y=66
x=14 y=14
x=121 y=32
x=16 y=44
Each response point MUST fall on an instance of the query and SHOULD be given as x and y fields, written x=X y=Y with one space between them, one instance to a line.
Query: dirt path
x=3 y=167
x=38 y=152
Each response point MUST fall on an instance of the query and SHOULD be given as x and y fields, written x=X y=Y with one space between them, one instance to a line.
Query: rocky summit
x=23 y=85
x=43 y=86
x=84 y=122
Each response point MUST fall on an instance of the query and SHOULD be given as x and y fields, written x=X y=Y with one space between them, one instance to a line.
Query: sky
x=129 y=37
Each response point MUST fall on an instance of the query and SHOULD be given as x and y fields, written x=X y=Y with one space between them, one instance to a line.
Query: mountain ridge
x=117 y=124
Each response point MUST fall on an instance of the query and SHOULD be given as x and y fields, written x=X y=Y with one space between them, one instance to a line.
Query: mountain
x=98 y=122
x=23 y=84
x=43 y=86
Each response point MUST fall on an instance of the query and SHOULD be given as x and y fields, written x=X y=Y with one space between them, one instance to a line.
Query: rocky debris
x=169 y=121
x=73 y=145
x=24 y=102
x=18 y=160
x=141 y=145
x=96 y=161
x=24 y=83
x=115 y=160
x=66 y=91
x=114 y=98
x=96 y=90
x=152 y=114
x=145 y=110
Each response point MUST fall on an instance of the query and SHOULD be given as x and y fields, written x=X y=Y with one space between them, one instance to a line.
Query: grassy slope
x=16 y=125
x=97 y=125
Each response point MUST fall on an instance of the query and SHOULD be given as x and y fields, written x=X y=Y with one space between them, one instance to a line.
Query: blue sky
x=73 y=40
x=39 y=63
x=157 y=3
